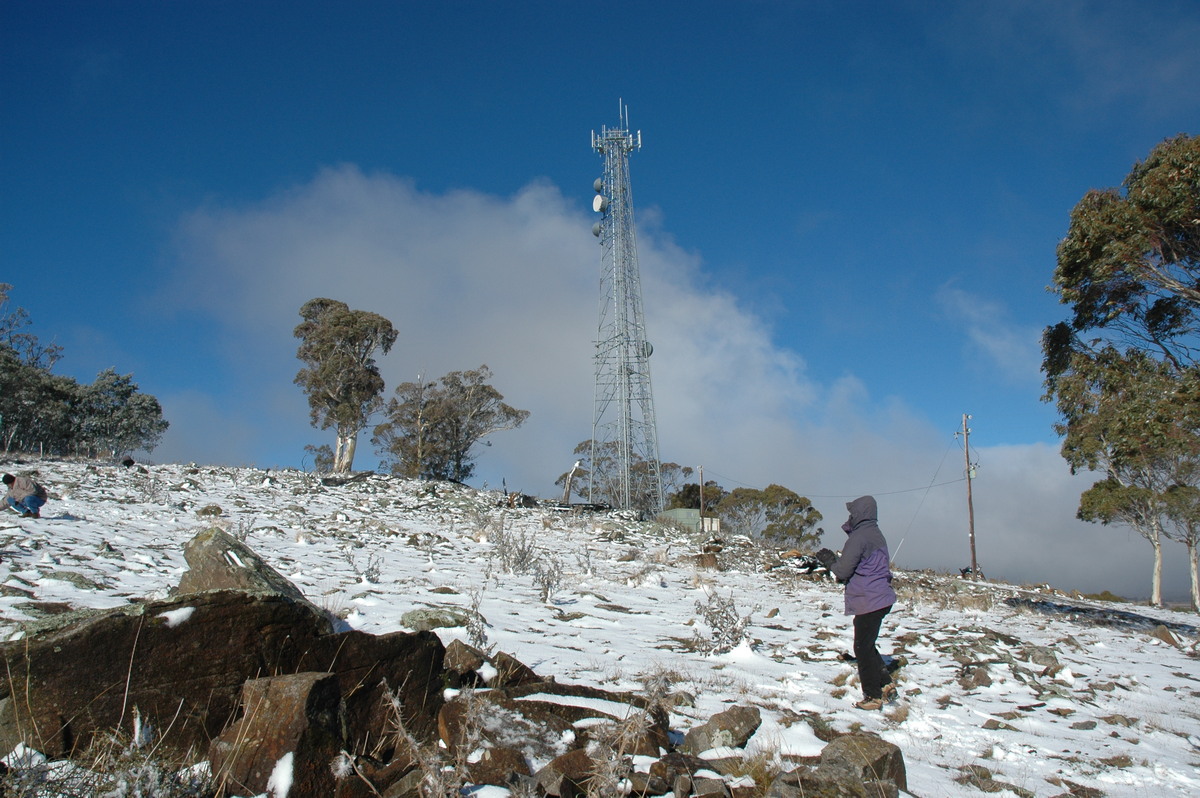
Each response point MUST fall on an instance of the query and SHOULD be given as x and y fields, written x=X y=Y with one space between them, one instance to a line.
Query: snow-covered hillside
x=999 y=693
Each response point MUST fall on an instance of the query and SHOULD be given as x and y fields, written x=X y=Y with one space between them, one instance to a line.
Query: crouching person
x=25 y=496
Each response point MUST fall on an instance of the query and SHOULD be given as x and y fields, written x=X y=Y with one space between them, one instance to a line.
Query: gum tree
x=1120 y=369
x=775 y=514
x=431 y=429
x=340 y=377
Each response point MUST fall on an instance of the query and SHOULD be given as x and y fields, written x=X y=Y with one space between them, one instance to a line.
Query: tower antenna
x=624 y=433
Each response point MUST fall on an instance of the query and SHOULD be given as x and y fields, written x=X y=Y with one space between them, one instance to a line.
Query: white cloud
x=1013 y=351
x=513 y=282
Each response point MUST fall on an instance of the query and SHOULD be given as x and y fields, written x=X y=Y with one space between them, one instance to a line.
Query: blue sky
x=847 y=215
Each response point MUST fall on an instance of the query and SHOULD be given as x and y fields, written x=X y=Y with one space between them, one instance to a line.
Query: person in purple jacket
x=865 y=569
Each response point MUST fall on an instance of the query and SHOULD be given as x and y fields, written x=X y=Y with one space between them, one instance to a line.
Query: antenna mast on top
x=624 y=434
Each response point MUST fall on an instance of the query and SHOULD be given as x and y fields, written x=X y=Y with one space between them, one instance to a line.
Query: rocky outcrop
x=182 y=662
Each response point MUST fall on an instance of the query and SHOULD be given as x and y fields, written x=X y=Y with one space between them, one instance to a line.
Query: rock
x=732 y=728
x=645 y=784
x=828 y=782
x=409 y=786
x=499 y=766
x=182 y=662
x=1164 y=634
x=511 y=672
x=991 y=724
x=489 y=718
x=462 y=658
x=292 y=716
x=872 y=757
x=462 y=664
x=705 y=788
x=187 y=655
x=427 y=618
x=1042 y=655
x=217 y=561
x=676 y=764
x=974 y=676
x=566 y=776
x=405 y=664
x=853 y=766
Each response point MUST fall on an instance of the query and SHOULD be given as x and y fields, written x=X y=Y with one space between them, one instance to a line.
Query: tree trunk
x=1156 y=582
x=346 y=445
x=1194 y=563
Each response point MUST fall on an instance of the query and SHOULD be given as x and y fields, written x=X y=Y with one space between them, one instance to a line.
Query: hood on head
x=861 y=509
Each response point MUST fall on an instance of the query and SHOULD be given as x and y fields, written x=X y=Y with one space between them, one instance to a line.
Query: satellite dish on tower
x=599 y=204
x=596 y=229
x=598 y=185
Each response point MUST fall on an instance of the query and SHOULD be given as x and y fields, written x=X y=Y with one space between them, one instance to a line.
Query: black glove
x=826 y=557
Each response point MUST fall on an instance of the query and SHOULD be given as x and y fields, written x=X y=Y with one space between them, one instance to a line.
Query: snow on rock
x=280 y=782
x=176 y=616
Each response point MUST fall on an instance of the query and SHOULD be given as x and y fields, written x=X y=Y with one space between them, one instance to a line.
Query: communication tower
x=623 y=424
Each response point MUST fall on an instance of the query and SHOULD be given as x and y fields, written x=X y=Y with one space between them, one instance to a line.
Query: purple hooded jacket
x=864 y=564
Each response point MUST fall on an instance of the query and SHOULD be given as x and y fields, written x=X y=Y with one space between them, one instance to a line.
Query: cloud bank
x=513 y=282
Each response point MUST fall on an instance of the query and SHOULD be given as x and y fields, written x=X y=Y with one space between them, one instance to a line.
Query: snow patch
x=280 y=781
x=176 y=617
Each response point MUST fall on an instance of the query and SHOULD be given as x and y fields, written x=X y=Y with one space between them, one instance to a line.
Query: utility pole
x=970 y=471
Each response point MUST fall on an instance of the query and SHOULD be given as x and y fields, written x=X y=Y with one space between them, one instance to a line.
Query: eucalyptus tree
x=15 y=335
x=115 y=418
x=340 y=376
x=775 y=515
x=597 y=476
x=1120 y=369
x=431 y=429
x=1129 y=266
x=1133 y=420
x=1183 y=511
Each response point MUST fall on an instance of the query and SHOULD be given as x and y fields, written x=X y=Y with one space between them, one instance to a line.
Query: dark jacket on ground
x=865 y=564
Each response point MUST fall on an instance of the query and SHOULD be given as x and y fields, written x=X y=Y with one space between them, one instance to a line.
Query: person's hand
x=826 y=557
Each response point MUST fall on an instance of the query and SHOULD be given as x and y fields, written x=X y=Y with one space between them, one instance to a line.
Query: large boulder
x=182 y=662
x=290 y=728
x=218 y=561
x=852 y=766
x=868 y=756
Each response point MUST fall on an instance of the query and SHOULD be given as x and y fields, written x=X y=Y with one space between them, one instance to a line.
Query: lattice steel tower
x=623 y=424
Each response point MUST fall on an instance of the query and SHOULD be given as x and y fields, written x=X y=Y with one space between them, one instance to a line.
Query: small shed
x=691 y=520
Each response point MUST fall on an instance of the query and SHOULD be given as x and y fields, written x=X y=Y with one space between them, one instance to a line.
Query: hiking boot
x=890 y=693
x=870 y=704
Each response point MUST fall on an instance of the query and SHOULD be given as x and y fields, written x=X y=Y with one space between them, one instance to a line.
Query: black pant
x=871 y=672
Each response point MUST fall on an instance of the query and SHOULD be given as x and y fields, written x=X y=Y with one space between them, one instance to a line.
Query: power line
x=724 y=478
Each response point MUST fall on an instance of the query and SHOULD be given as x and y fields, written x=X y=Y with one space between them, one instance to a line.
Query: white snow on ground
x=1041 y=700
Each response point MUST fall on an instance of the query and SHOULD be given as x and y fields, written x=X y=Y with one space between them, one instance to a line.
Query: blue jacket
x=865 y=565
